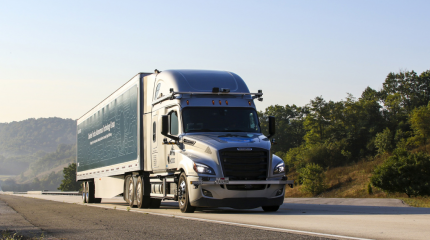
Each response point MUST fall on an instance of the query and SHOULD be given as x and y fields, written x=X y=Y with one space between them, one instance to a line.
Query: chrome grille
x=244 y=165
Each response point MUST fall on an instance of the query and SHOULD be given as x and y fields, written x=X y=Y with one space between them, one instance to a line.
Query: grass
x=352 y=182
x=13 y=235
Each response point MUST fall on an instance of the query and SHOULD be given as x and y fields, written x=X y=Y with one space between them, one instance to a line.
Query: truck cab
x=205 y=128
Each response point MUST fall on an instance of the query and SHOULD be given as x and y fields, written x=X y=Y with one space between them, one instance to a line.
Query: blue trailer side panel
x=110 y=135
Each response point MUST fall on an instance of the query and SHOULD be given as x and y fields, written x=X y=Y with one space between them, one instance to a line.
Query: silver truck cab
x=203 y=129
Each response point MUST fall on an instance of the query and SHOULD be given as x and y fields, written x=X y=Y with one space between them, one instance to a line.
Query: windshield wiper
x=201 y=130
x=234 y=130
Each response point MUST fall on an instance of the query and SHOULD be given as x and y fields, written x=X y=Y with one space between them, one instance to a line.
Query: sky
x=61 y=58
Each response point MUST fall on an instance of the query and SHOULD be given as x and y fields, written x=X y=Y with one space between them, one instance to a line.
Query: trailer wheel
x=183 y=196
x=90 y=192
x=84 y=192
x=270 y=208
x=125 y=192
x=131 y=192
x=142 y=201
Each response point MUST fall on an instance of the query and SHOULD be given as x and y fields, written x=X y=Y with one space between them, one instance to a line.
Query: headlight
x=201 y=168
x=280 y=168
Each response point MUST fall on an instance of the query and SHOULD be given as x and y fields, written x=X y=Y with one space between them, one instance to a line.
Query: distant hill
x=42 y=143
x=33 y=135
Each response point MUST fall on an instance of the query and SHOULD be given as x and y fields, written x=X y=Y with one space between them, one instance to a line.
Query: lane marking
x=124 y=208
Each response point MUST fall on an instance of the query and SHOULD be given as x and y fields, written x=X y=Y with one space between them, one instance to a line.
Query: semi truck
x=191 y=136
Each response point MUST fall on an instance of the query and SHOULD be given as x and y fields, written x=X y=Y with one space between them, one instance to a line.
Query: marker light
x=249 y=102
x=226 y=102
x=219 y=102
x=188 y=102
x=213 y=102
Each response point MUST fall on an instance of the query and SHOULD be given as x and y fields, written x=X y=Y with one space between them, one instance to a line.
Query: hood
x=226 y=140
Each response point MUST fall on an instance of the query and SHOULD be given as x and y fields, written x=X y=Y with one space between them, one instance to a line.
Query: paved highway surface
x=57 y=220
x=320 y=219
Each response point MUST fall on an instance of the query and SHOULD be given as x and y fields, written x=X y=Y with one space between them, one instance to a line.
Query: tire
x=270 y=208
x=84 y=192
x=142 y=200
x=183 y=196
x=125 y=193
x=90 y=192
x=131 y=192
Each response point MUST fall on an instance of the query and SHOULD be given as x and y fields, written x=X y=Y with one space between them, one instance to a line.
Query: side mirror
x=165 y=128
x=272 y=127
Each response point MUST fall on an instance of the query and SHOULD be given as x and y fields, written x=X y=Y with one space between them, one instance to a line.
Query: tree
x=404 y=172
x=384 y=141
x=69 y=182
x=312 y=177
x=289 y=125
x=420 y=122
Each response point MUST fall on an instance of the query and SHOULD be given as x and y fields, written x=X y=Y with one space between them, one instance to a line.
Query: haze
x=61 y=58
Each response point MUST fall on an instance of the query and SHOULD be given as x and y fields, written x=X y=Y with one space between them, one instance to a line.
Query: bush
x=404 y=172
x=329 y=154
x=384 y=141
x=312 y=176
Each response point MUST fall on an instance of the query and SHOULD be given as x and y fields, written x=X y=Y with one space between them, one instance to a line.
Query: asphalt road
x=330 y=218
x=75 y=221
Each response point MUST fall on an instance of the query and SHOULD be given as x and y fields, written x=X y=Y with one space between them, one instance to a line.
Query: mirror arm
x=171 y=137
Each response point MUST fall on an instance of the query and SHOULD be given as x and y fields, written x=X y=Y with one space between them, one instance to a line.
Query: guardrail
x=46 y=192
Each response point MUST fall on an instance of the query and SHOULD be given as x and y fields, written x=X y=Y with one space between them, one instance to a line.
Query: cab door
x=171 y=150
x=158 y=150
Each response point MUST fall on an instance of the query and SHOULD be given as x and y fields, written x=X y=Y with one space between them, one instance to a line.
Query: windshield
x=220 y=119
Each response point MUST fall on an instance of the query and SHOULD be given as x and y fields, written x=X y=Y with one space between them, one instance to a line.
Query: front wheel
x=270 y=208
x=183 y=196
x=142 y=200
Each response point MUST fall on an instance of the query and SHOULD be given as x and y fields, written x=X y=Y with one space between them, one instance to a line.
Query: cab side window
x=157 y=90
x=174 y=124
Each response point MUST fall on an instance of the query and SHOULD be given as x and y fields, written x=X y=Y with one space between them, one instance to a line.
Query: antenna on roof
x=156 y=71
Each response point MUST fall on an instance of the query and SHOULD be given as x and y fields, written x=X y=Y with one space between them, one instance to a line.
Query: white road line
x=122 y=208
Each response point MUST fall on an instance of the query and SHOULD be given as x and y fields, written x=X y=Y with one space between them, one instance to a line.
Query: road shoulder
x=10 y=220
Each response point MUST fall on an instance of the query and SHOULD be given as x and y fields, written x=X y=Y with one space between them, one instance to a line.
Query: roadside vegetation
x=373 y=146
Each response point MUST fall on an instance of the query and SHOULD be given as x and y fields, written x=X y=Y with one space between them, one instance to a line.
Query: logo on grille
x=244 y=149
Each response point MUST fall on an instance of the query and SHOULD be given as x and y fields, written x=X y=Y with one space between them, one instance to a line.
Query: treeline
x=326 y=134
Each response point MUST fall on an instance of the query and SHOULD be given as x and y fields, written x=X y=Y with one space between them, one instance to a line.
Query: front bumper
x=238 y=203
x=221 y=195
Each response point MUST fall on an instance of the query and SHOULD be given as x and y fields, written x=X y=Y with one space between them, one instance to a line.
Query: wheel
x=183 y=196
x=270 y=208
x=131 y=192
x=90 y=192
x=125 y=193
x=142 y=201
x=84 y=192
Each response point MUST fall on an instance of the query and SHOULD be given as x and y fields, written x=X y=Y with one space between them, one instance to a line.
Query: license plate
x=221 y=180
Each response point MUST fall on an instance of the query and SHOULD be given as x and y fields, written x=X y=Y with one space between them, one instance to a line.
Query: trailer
x=192 y=136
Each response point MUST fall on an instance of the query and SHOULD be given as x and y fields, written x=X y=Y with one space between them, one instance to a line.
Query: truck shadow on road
x=315 y=209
